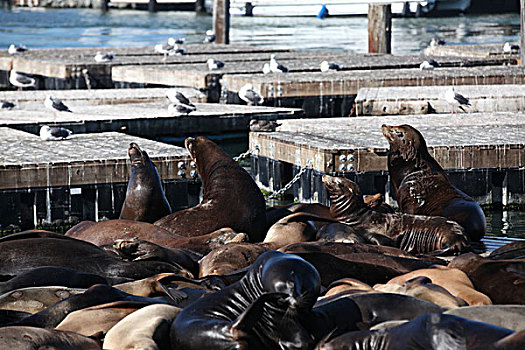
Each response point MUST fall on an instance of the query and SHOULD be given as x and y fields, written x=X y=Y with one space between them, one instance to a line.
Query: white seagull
x=54 y=133
x=178 y=109
x=250 y=96
x=329 y=66
x=56 y=105
x=14 y=49
x=275 y=66
x=266 y=68
x=213 y=64
x=210 y=37
x=177 y=51
x=104 y=58
x=21 y=80
x=426 y=66
x=178 y=97
x=456 y=99
x=509 y=48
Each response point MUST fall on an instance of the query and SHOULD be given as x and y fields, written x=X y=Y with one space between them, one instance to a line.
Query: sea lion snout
x=190 y=144
x=135 y=153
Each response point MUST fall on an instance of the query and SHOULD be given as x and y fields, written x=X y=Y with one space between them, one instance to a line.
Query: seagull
x=180 y=41
x=263 y=125
x=247 y=94
x=104 y=58
x=455 y=98
x=509 y=48
x=54 y=133
x=56 y=105
x=213 y=64
x=163 y=48
x=14 y=49
x=266 y=68
x=426 y=66
x=210 y=37
x=327 y=66
x=7 y=105
x=177 y=51
x=21 y=80
x=177 y=97
x=437 y=41
x=275 y=66
x=179 y=109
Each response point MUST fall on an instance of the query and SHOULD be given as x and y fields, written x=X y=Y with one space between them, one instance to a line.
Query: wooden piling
x=152 y=6
x=380 y=28
x=199 y=6
x=221 y=21
x=522 y=43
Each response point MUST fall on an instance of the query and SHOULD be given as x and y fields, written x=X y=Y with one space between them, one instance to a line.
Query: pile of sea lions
x=230 y=273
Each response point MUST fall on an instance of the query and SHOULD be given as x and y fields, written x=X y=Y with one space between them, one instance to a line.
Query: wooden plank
x=423 y=99
x=349 y=82
x=486 y=50
x=379 y=28
x=28 y=162
x=470 y=141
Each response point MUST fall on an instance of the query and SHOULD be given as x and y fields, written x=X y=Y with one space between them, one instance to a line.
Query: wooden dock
x=83 y=177
x=486 y=50
x=484 y=153
x=431 y=99
x=139 y=112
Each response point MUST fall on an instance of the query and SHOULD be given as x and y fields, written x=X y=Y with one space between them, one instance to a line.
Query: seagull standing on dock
x=14 y=49
x=250 y=96
x=181 y=105
x=56 y=105
x=178 y=97
x=210 y=37
x=213 y=64
x=104 y=58
x=275 y=66
x=509 y=48
x=266 y=68
x=54 y=133
x=7 y=105
x=456 y=99
x=437 y=42
x=329 y=66
x=426 y=66
x=177 y=51
x=21 y=80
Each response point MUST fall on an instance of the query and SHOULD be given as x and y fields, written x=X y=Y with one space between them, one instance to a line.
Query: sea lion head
x=207 y=155
x=138 y=157
x=404 y=140
x=293 y=276
x=344 y=195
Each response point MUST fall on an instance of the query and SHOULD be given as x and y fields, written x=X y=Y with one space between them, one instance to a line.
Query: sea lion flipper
x=247 y=320
x=176 y=295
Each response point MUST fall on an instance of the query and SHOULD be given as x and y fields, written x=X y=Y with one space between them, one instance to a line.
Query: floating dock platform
x=82 y=178
x=482 y=51
x=484 y=154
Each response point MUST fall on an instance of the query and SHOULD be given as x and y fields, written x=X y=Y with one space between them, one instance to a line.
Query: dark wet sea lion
x=99 y=294
x=230 y=257
x=514 y=250
x=425 y=332
x=10 y=316
x=31 y=338
x=147 y=328
x=231 y=197
x=422 y=187
x=514 y=341
x=105 y=233
x=377 y=203
x=412 y=233
x=21 y=255
x=261 y=311
x=51 y=276
x=503 y=281
x=507 y=316
x=145 y=199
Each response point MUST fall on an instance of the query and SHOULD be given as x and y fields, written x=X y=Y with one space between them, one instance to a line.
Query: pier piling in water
x=221 y=21
x=379 y=28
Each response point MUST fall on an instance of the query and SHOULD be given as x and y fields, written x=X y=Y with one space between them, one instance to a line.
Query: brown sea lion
x=274 y=214
x=514 y=341
x=230 y=257
x=503 y=281
x=348 y=286
x=31 y=338
x=231 y=197
x=340 y=233
x=145 y=199
x=514 y=250
x=377 y=203
x=415 y=234
x=425 y=332
x=455 y=281
x=507 y=316
x=35 y=299
x=422 y=187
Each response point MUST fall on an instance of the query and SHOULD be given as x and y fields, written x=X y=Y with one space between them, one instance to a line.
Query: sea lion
x=422 y=187
x=455 y=281
x=507 y=316
x=31 y=338
x=145 y=199
x=348 y=286
x=503 y=281
x=412 y=233
x=147 y=328
x=514 y=250
x=274 y=214
x=423 y=288
x=229 y=258
x=514 y=341
x=377 y=203
x=35 y=299
x=340 y=233
x=231 y=197
x=261 y=311
x=425 y=332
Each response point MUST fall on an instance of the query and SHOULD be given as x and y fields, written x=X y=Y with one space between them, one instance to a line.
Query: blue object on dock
x=323 y=13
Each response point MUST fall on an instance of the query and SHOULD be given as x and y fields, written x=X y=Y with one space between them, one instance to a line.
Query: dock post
x=152 y=6
x=104 y=6
x=221 y=21
x=199 y=6
x=380 y=28
x=522 y=31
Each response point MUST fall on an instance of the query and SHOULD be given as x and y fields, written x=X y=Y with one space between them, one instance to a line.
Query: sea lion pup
x=145 y=199
x=231 y=197
x=422 y=187
x=261 y=311
x=412 y=233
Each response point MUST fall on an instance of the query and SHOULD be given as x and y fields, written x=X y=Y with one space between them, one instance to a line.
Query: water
x=46 y=28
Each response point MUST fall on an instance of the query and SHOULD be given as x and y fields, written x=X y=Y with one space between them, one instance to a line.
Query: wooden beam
x=221 y=21
x=380 y=28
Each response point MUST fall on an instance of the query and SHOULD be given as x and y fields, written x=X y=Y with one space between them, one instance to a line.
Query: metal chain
x=246 y=154
x=296 y=178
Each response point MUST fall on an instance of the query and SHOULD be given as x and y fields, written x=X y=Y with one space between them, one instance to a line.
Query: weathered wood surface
x=28 y=162
x=143 y=119
x=470 y=141
x=349 y=82
x=428 y=99
x=379 y=28
x=487 y=50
